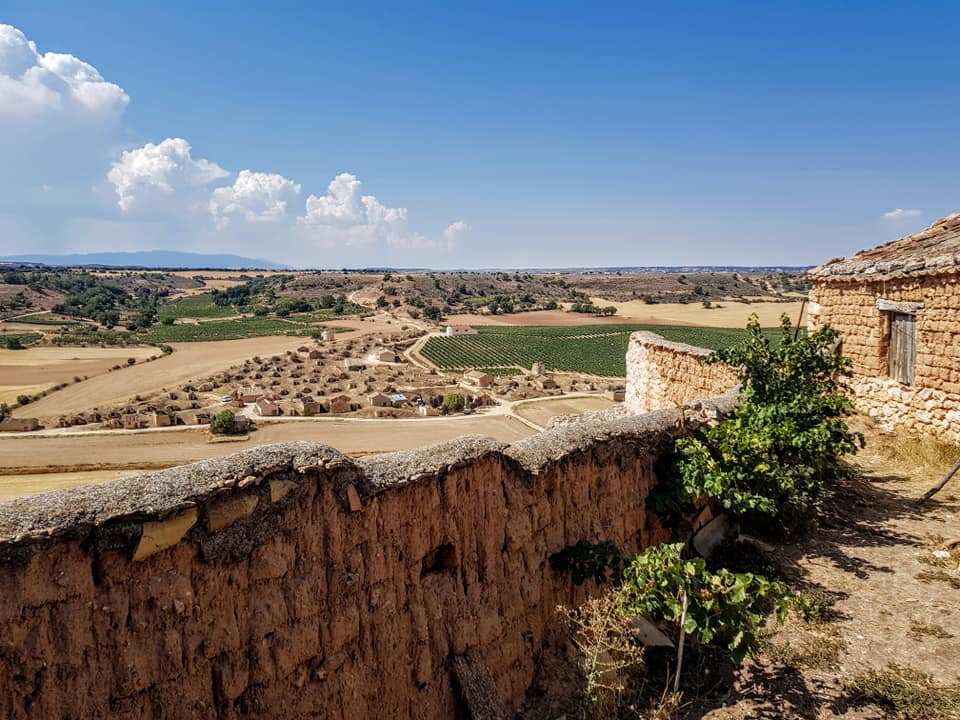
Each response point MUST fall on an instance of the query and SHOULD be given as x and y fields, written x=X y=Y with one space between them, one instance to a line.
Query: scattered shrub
x=225 y=423
x=722 y=608
x=770 y=464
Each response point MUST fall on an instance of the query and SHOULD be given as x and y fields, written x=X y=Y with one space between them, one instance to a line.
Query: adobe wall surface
x=932 y=403
x=663 y=374
x=292 y=581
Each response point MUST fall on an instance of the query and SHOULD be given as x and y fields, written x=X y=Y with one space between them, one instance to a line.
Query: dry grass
x=922 y=458
x=10 y=393
x=930 y=576
x=610 y=659
x=906 y=693
x=819 y=649
x=920 y=630
x=726 y=313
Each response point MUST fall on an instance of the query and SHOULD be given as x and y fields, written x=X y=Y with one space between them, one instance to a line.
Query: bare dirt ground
x=27 y=457
x=894 y=601
x=10 y=393
x=731 y=314
x=541 y=412
x=728 y=314
x=188 y=360
x=7 y=327
x=557 y=318
x=51 y=365
x=12 y=486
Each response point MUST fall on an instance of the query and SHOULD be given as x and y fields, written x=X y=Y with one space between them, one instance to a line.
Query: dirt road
x=86 y=452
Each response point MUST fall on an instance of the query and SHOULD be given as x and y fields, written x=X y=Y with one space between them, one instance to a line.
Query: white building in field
x=460 y=330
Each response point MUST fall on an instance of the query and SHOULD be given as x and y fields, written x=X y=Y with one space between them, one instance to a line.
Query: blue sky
x=494 y=135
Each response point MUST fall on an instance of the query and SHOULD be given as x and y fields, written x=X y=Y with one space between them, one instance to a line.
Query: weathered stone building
x=897 y=307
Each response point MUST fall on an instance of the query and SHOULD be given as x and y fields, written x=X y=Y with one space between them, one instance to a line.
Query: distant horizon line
x=239 y=263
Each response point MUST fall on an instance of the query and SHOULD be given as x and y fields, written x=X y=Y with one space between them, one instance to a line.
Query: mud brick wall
x=932 y=403
x=292 y=581
x=663 y=374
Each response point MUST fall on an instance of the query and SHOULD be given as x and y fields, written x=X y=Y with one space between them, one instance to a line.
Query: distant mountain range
x=152 y=259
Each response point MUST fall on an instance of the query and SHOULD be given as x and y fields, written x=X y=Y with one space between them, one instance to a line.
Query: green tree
x=224 y=423
x=770 y=465
x=454 y=402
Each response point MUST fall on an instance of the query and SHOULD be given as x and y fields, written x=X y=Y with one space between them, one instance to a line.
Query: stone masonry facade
x=663 y=374
x=931 y=404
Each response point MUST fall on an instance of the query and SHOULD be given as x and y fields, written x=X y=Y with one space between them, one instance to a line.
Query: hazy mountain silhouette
x=150 y=259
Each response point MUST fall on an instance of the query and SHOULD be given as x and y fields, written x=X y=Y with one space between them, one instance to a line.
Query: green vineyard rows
x=593 y=349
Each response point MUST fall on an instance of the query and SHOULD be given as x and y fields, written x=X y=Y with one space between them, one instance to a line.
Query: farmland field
x=22 y=338
x=46 y=319
x=226 y=330
x=594 y=349
x=195 y=306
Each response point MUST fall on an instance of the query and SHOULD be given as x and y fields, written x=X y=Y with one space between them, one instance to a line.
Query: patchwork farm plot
x=592 y=349
x=227 y=330
x=195 y=306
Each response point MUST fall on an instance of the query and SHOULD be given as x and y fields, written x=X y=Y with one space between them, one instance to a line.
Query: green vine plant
x=723 y=609
x=601 y=561
x=771 y=464
x=720 y=609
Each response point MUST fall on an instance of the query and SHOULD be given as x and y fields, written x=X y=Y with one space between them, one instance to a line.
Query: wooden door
x=903 y=347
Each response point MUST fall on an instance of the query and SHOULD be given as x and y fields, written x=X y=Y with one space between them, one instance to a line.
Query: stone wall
x=932 y=403
x=663 y=374
x=292 y=581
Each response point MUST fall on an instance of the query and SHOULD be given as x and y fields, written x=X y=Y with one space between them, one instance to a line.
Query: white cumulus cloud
x=455 y=230
x=66 y=181
x=253 y=197
x=32 y=83
x=344 y=214
x=901 y=214
x=158 y=170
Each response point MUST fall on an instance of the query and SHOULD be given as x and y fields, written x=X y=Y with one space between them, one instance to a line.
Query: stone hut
x=453 y=330
x=340 y=405
x=897 y=308
x=12 y=424
x=547 y=383
x=266 y=407
x=538 y=368
x=306 y=406
x=250 y=393
x=379 y=400
x=158 y=419
x=478 y=378
x=329 y=335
